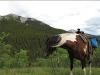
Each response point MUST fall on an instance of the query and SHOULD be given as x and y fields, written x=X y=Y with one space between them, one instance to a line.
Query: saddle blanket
x=94 y=42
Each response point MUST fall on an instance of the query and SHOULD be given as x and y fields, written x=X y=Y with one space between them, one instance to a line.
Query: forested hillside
x=26 y=33
x=22 y=43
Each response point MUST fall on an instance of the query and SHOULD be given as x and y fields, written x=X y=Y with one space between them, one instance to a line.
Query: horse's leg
x=90 y=62
x=71 y=66
x=90 y=68
x=83 y=62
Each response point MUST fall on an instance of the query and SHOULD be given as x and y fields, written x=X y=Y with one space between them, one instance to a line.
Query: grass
x=46 y=71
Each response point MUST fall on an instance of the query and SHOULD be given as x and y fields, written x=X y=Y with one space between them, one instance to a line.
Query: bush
x=21 y=58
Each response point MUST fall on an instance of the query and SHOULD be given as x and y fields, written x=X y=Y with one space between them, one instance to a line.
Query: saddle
x=83 y=37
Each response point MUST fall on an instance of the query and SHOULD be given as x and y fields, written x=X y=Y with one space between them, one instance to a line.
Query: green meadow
x=46 y=71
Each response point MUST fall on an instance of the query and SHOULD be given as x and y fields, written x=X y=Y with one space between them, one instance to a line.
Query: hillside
x=22 y=29
x=26 y=33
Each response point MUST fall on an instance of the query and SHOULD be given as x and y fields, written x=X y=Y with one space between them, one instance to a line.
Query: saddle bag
x=94 y=42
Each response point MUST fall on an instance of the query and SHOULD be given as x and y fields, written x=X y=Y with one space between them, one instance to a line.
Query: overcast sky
x=59 y=14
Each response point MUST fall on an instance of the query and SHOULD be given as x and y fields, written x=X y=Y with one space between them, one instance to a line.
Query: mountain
x=72 y=30
x=25 y=28
x=98 y=37
x=26 y=33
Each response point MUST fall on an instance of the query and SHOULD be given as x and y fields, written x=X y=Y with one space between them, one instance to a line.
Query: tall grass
x=46 y=71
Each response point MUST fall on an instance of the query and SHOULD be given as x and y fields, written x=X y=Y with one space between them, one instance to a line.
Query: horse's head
x=50 y=42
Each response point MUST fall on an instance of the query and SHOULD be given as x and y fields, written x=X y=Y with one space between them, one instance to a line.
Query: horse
x=77 y=46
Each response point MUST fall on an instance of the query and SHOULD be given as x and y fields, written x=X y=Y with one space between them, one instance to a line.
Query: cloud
x=4 y=7
x=98 y=10
x=17 y=8
x=93 y=26
x=74 y=14
x=59 y=14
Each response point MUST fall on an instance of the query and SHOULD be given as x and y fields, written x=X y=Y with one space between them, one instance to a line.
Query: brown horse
x=76 y=45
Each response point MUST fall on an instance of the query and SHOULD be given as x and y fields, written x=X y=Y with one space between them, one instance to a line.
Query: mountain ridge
x=29 y=34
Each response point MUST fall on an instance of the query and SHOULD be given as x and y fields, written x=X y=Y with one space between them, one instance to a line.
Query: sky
x=65 y=15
